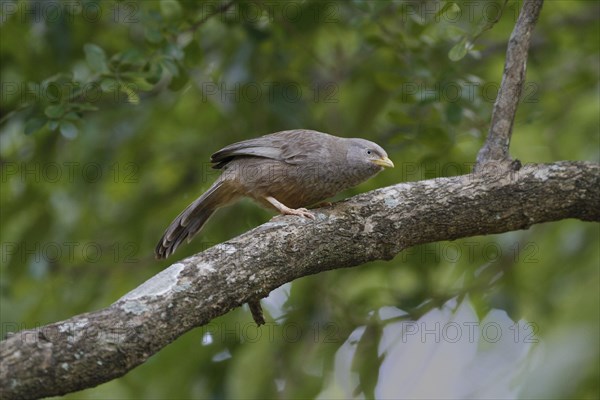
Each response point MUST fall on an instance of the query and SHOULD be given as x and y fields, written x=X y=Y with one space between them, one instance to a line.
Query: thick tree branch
x=95 y=347
x=497 y=144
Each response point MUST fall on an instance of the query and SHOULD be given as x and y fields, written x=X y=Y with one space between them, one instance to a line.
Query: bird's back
x=296 y=167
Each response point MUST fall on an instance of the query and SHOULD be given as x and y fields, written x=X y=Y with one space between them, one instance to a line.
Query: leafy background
x=111 y=109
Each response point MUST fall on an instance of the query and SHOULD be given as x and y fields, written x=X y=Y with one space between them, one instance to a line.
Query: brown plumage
x=284 y=171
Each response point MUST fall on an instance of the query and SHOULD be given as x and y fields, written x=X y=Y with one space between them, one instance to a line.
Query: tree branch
x=95 y=347
x=497 y=144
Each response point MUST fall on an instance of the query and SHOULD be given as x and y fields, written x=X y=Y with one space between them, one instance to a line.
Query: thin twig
x=497 y=144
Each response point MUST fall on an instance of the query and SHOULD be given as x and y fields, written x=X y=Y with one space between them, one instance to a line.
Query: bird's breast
x=295 y=185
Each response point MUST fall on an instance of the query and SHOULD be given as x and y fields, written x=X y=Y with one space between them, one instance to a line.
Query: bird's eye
x=369 y=152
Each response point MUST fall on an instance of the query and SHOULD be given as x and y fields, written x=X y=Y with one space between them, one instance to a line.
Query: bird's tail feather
x=190 y=221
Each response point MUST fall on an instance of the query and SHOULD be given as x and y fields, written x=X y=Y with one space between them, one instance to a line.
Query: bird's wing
x=287 y=146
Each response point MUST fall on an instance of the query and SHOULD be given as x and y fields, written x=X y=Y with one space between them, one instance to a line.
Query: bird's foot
x=285 y=210
x=302 y=212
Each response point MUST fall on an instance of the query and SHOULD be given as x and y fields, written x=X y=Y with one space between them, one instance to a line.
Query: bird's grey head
x=366 y=158
x=366 y=153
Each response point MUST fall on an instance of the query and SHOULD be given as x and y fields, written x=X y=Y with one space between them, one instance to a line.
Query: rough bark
x=497 y=144
x=95 y=347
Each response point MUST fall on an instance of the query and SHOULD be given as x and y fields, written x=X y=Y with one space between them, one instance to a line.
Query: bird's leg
x=303 y=212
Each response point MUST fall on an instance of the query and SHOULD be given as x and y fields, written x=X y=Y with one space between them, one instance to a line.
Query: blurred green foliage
x=111 y=109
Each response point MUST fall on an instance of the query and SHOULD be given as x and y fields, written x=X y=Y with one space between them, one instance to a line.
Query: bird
x=285 y=171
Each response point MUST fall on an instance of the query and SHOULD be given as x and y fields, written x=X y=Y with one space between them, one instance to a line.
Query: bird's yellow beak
x=384 y=162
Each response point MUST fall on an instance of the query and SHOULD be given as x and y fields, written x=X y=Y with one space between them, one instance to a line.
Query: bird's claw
x=285 y=210
x=301 y=212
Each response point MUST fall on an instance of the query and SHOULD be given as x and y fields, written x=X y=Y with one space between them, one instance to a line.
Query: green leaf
x=170 y=66
x=131 y=57
x=34 y=124
x=132 y=96
x=366 y=356
x=63 y=77
x=173 y=51
x=450 y=11
x=95 y=57
x=72 y=116
x=153 y=35
x=52 y=125
x=108 y=85
x=171 y=9
x=154 y=73
x=459 y=50
x=68 y=130
x=55 y=111
x=53 y=93
x=142 y=84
